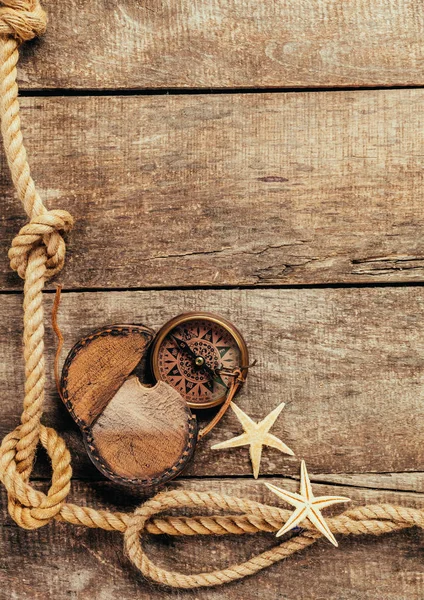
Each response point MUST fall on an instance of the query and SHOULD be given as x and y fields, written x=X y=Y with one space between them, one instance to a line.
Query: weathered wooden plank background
x=241 y=189
x=344 y=360
x=132 y=44
x=300 y=198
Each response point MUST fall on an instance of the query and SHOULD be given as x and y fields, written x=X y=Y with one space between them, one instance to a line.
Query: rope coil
x=38 y=253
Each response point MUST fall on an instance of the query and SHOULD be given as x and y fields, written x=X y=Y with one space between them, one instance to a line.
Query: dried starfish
x=307 y=505
x=256 y=435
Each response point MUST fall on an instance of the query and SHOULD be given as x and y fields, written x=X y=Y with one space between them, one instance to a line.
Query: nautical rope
x=38 y=253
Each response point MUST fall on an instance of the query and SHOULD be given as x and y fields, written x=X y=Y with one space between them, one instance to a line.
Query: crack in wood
x=375 y=266
x=227 y=249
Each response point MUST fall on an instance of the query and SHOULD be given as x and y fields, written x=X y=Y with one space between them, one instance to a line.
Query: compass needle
x=201 y=351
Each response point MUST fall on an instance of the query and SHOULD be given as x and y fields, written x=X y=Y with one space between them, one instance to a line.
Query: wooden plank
x=60 y=561
x=406 y=482
x=227 y=44
x=348 y=363
x=230 y=190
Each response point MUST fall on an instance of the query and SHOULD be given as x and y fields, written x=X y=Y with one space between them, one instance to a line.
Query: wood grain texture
x=348 y=363
x=404 y=482
x=98 y=365
x=64 y=562
x=230 y=190
x=227 y=43
x=144 y=437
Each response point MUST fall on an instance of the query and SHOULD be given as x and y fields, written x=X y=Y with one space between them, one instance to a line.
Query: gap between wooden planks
x=398 y=483
x=244 y=189
x=227 y=44
x=348 y=363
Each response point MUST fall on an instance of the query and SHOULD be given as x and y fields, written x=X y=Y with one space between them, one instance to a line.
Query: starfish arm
x=290 y=497
x=244 y=419
x=305 y=484
x=323 y=501
x=255 y=452
x=240 y=440
x=317 y=519
x=270 y=419
x=275 y=442
x=297 y=517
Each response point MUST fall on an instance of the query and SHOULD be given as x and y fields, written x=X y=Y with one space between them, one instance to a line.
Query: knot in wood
x=22 y=19
x=45 y=230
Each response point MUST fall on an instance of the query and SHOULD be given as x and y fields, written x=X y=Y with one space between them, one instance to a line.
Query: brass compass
x=197 y=354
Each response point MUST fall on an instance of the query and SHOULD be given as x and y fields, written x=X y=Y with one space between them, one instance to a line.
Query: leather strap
x=237 y=382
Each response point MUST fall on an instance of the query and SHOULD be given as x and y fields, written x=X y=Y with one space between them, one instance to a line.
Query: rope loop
x=31 y=508
x=22 y=19
x=250 y=517
x=45 y=229
x=143 y=519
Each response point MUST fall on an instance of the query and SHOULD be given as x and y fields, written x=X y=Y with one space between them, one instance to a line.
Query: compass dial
x=192 y=353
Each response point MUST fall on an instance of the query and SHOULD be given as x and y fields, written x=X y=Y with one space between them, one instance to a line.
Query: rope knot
x=29 y=507
x=22 y=19
x=44 y=230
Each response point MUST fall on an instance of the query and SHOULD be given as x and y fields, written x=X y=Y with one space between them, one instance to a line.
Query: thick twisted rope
x=38 y=253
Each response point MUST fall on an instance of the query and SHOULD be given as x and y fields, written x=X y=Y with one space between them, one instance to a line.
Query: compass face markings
x=219 y=381
x=223 y=350
x=209 y=386
x=174 y=372
x=205 y=339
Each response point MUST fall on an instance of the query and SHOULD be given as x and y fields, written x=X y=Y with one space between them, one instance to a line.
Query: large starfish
x=307 y=505
x=256 y=435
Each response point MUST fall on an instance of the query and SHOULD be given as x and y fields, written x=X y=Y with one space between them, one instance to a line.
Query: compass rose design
x=194 y=355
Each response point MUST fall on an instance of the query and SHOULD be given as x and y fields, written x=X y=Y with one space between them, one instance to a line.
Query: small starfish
x=307 y=505
x=256 y=435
